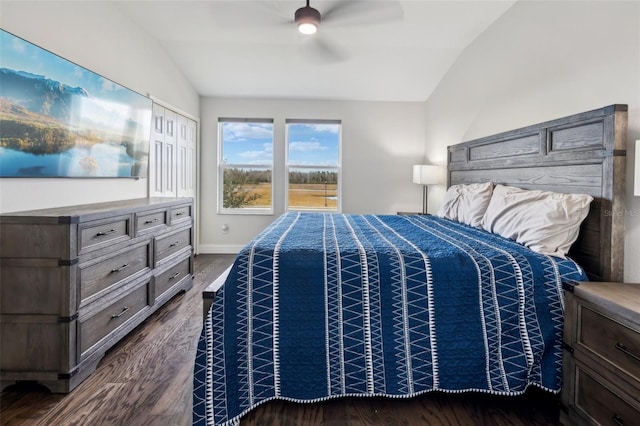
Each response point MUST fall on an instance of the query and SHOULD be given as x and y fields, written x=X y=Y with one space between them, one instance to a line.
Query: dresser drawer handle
x=624 y=350
x=114 y=270
x=617 y=420
x=179 y=213
x=150 y=221
x=174 y=244
x=174 y=276
x=125 y=309
x=110 y=231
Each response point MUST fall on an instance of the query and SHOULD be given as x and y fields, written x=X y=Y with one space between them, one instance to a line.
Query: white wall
x=96 y=36
x=543 y=60
x=380 y=143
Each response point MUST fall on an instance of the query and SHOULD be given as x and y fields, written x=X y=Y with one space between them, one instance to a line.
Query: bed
x=322 y=306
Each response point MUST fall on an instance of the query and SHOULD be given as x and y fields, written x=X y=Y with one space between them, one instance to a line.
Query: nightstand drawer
x=600 y=403
x=611 y=340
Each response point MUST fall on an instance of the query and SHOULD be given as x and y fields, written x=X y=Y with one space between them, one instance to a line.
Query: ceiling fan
x=319 y=45
x=344 y=13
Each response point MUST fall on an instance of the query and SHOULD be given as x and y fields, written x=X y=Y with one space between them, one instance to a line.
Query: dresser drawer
x=172 y=243
x=611 y=340
x=172 y=276
x=180 y=214
x=101 y=233
x=112 y=316
x=97 y=276
x=149 y=222
x=600 y=403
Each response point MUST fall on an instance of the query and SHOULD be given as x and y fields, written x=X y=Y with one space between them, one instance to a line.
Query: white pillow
x=466 y=203
x=546 y=222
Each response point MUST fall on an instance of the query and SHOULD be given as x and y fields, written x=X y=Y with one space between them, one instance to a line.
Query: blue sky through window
x=247 y=143
x=314 y=144
x=309 y=144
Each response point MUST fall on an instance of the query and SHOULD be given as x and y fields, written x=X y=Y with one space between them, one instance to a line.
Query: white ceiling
x=381 y=50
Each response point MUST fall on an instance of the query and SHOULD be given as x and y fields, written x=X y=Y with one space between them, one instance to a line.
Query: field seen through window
x=301 y=196
x=306 y=191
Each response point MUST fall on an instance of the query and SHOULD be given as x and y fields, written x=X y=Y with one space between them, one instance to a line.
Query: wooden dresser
x=75 y=280
x=602 y=356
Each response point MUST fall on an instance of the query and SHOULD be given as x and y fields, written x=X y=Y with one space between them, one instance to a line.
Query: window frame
x=337 y=168
x=221 y=166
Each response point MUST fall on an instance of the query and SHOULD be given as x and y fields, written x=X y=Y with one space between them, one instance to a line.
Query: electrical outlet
x=225 y=228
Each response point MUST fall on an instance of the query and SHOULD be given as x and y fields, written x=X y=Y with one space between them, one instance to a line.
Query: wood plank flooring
x=146 y=379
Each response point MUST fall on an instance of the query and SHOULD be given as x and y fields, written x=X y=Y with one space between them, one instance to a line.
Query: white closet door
x=156 y=153
x=186 y=169
x=170 y=150
x=172 y=154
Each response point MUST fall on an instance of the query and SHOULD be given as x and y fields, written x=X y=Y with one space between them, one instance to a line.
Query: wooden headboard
x=583 y=153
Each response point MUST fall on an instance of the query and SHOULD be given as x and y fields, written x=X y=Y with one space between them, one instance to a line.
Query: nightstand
x=601 y=361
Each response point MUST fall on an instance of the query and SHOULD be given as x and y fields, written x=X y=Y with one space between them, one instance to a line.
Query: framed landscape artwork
x=58 y=119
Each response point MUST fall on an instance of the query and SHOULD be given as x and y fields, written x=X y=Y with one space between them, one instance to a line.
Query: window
x=245 y=165
x=313 y=165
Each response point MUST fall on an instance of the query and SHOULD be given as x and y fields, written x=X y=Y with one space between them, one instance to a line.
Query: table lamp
x=425 y=174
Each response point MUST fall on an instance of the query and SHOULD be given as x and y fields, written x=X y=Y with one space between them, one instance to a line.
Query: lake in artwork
x=101 y=160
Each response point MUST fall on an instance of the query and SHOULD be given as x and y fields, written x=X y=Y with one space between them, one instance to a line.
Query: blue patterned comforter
x=327 y=305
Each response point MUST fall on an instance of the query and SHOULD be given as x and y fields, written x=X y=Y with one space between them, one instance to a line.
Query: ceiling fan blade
x=250 y=14
x=363 y=12
x=321 y=50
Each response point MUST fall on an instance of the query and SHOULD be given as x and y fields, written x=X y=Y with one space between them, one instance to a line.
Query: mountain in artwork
x=39 y=94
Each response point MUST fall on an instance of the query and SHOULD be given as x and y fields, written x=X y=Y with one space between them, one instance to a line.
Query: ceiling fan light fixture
x=307 y=28
x=308 y=19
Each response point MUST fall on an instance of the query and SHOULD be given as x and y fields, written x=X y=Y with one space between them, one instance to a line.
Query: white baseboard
x=218 y=249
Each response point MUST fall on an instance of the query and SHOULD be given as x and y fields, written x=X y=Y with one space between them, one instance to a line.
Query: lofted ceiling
x=374 y=50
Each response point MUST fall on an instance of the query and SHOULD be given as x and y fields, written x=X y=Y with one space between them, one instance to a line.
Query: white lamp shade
x=636 y=171
x=426 y=174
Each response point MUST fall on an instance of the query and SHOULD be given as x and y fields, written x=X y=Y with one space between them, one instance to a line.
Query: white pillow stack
x=546 y=222
x=466 y=203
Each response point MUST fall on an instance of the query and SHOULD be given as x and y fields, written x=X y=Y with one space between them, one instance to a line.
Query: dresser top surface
x=91 y=211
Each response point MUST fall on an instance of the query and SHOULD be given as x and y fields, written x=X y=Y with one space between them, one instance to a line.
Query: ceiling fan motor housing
x=307 y=15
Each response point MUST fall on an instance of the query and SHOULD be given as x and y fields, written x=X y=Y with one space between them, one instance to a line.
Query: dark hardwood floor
x=146 y=379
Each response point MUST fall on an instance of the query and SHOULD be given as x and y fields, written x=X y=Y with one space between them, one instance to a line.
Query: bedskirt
x=319 y=306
